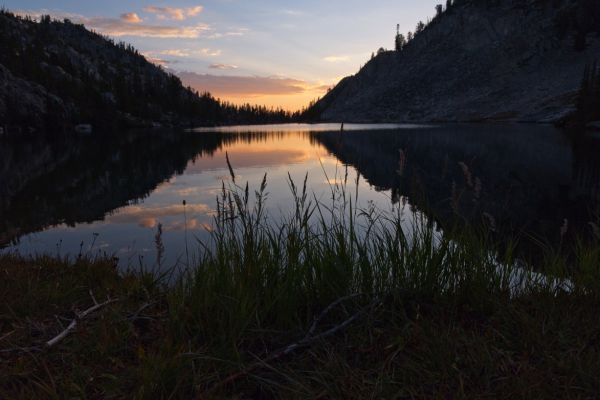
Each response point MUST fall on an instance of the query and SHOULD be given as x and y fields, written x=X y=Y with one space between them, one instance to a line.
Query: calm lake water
x=109 y=193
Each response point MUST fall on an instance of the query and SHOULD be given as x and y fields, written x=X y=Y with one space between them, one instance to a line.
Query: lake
x=109 y=193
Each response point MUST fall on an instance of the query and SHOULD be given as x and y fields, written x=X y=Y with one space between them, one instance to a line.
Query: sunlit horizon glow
x=273 y=53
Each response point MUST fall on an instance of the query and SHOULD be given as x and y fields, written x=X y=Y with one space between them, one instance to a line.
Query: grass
x=333 y=301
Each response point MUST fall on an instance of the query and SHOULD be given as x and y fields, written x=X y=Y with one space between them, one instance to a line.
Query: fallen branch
x=65 y=332
x=73 y=324
x=308 y=340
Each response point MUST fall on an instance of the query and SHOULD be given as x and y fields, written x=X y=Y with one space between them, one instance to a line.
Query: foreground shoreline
x=136 y=337
x=337 y=303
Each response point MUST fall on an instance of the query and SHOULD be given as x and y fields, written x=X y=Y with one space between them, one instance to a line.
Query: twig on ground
x=308 y=340
x=58 y=338
x=65 y=332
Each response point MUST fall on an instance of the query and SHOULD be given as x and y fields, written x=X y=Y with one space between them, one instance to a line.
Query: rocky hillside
x=56 y=74
x=477 y=60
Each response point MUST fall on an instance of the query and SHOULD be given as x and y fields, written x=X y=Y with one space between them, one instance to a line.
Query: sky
x=271 y=52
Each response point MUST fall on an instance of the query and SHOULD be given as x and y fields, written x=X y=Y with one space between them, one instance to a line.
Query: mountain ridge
x=477 y=61
x=55 y=75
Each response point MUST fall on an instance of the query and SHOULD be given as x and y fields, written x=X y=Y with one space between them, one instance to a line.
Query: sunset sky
x=273 y=52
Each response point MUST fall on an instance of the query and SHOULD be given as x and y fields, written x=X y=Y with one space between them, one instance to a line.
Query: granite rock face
x=478 y=61
x=21 y=99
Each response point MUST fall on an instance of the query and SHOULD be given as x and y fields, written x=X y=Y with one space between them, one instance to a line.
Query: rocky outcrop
x=22 y=100
x=478 y=61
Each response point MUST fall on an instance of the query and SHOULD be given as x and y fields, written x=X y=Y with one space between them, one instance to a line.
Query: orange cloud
x=118 y=27
x=243 y=85
x=128 y=24
x=148 y=217
x=288 y=93
x=131 y=18
x=244 y=157
x=178 y=14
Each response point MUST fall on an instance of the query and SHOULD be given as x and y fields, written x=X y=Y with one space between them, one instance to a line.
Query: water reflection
x=521 y=177
x=75 y=180
x=111 y=192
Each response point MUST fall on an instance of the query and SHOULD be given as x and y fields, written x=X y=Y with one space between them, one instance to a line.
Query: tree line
x=402 y=41
x=575 y=18
x=88 y=78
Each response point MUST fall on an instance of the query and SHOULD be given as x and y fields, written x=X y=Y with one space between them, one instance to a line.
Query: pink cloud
x=148 y=217
x=190 y=52
x=223 y=66
x=117 y=27
x=132 y=18
x=178 y=14
x=129 y=24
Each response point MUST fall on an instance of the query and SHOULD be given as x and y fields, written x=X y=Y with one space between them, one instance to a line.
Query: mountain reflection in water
x=112 y=191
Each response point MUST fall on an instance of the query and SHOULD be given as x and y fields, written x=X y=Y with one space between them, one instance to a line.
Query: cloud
x=222 y=66
x=235 y=33
x=243 y=85
x=148 y=217
x=126 y=25
x=210 y=52
x=336 y=59
x=323 y=88
x=176 y=53
x=115 y=27
x=193 y=224
x=185 y=53
x=295 y=13
x=157 y=60
x=178 y=14
x=131 y=18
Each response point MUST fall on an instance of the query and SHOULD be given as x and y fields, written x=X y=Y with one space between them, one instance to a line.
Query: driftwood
x=307 y=341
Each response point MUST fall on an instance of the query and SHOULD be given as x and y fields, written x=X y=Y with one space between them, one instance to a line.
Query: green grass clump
x=332 y=301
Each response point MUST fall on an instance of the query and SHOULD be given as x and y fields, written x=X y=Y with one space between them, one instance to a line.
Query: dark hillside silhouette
x=56 y=74
x=476 y=60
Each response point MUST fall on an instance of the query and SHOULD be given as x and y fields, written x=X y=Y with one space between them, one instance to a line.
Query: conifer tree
x=400 y=40
x=420 y=28
x=438 y=10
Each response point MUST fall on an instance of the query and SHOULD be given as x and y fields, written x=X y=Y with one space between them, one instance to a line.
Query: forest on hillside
x=553 y=41
x=56 y=74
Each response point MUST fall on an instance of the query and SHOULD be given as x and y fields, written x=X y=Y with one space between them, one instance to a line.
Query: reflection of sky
x=129 y=232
